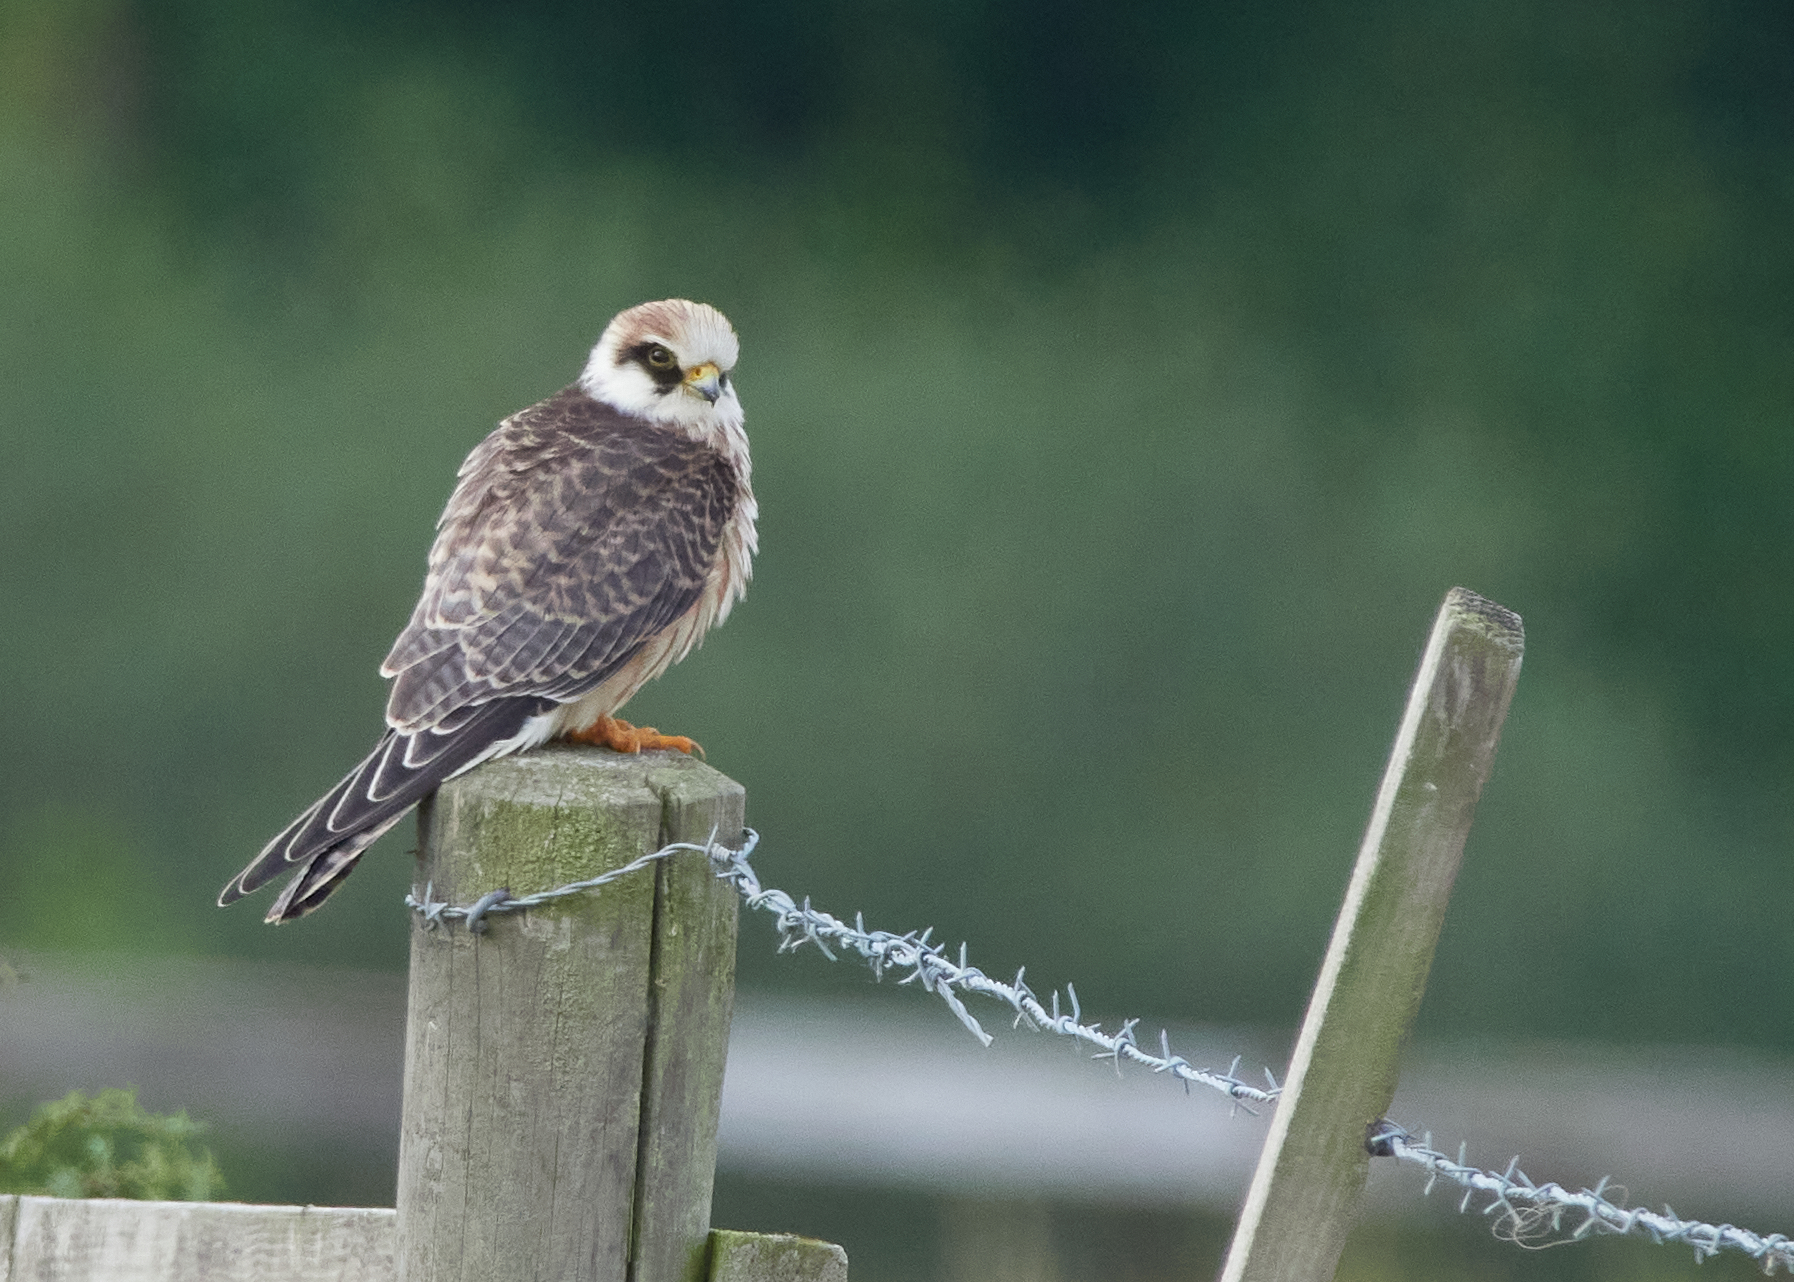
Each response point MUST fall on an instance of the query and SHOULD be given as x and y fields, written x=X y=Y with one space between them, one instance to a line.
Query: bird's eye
x=660 y=358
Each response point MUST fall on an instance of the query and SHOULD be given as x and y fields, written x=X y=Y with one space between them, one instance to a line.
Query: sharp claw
x=620 y=736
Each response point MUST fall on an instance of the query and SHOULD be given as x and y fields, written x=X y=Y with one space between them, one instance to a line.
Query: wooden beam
x=692 y=998
x=53 y=1239
x=774 y=1257
x=563 y=1069
x=1304 y=1194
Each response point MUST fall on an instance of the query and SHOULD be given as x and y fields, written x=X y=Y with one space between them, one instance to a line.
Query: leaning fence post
x=563 y=1069
x=1342 y=1076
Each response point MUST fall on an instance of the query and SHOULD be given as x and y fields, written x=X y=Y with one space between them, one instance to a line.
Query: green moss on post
x=563 y=1070
x=691 y=996
x=774 y=1257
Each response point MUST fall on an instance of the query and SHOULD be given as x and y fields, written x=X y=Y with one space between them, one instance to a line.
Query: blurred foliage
x=77 y=881
x=1126 y=386
x=107 y=1146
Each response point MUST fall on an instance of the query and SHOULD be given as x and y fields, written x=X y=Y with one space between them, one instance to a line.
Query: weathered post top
x=563 y=1068
x=1304 y=1194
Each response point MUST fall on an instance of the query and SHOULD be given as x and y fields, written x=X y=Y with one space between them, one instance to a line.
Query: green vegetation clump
x=108 y=1146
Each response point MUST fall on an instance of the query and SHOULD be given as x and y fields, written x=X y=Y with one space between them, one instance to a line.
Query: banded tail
x=325 y=842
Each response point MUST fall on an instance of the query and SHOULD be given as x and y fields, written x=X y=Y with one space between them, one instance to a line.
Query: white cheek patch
x=696 y=334
x=630 y=390
x=626 y=387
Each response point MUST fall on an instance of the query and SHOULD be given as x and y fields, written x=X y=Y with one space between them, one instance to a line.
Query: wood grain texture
x=9 y=1220
x=527 y=1047
x=691 y=1002
x=47 y=1239
x=1304 y=1194
x=774 y=1257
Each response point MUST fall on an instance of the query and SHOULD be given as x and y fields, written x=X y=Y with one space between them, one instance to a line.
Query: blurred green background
x=1126 y=387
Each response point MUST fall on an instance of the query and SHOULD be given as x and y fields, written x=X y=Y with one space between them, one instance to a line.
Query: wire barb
x=1524 y=1211
x=911 y=955
x=1530 y=1211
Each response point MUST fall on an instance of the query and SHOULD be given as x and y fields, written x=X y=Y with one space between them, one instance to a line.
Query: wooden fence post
x=563 y=1069
x=1304 y=1194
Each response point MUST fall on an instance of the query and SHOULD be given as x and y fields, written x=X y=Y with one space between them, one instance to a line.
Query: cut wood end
x=559 y=775
x=773 y=1257
x=1496 y=623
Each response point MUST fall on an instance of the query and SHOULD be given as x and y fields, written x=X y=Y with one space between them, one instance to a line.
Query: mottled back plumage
x=573 y=537
x=584 y=548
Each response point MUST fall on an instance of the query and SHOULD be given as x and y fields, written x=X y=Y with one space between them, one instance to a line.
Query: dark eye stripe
x=665 y=378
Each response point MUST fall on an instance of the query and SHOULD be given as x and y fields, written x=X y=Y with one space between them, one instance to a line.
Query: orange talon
x=620 y=736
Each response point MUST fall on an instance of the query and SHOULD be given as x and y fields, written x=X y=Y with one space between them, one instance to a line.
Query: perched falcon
x=591 y=542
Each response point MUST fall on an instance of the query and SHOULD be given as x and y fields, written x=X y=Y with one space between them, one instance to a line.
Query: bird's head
x=669 y=362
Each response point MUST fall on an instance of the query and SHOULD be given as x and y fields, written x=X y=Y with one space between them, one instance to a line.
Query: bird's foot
x=620 y=736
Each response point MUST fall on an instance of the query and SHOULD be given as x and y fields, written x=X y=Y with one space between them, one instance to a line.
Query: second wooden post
x=1304 y=1195
x=563 y=1069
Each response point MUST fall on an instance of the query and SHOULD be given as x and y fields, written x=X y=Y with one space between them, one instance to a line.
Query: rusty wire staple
x=1528 y=1210
x=923 y=962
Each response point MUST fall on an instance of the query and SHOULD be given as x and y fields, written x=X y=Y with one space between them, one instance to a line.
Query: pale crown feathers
x=585 y=549
x=692 y=391
x=630 y=368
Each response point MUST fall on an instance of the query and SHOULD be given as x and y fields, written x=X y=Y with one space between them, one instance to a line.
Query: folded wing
x=573 y=538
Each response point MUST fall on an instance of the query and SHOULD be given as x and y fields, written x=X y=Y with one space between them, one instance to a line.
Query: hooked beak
x=705 y=380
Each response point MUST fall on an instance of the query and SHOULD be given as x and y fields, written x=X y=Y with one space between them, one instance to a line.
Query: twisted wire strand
x=1529 y=1212
x=913 y=955
x=1525 y=1212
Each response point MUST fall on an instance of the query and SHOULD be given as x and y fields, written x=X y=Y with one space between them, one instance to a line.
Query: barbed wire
x=1529 y=1213
x=495 y=903
x=1533 y=1214
x=920 y=960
